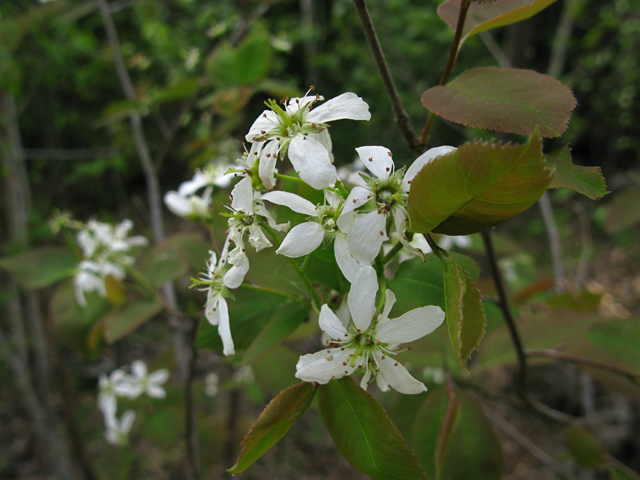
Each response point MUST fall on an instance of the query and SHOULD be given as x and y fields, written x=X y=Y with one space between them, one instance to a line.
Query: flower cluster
x=106 y=252
x=122 y=384
x=358 y=222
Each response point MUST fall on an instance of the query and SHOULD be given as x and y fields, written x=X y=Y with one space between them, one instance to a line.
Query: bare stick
x=503 y=303
x=546 y=459
x=550 y=352
x=451 y=61
x=401 y=116
x=191 y=432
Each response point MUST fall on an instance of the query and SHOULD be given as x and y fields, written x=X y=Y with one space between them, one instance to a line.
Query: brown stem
x=401 y=116
x=451 y=61
x=503 y=303
x=549 y=352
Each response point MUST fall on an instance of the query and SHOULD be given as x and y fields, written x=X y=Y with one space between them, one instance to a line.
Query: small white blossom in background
x=371 y=345
x=140 y=381
x=105 y=249
x=211 y=384
x=118 y=430
x=244 y=375
x=460 y=241
x=433 y=374
x=121 y=384
x=185 y=203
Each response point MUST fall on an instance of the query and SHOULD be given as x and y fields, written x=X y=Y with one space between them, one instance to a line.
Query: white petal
x=242 y=195
x=382 y=383
x=412 y=325
x=159 y=376
x=155 y=391
x=333 y=199
x=325 y=139
x=390 y=300
x=234 y=277
x=302 y=240
x=179 y=205
x=211 y=308
x=266 y=122
x=331 y=324
x=346 y=221
x=378 y=160
x=427 y=157
x=349 y=266
x=397 y=376
x=192 y=186
x=366 y=236
x=139 y=369
x=267 y=166
x=126 y=422
x=128 y=389
x=358 y=196
x=362 y=297
x=293 y=201
x=312 y=163
x=325 y=365
x=345 y=106
x=224 y=330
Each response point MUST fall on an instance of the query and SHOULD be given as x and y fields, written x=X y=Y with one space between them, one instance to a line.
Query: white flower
x=140 y=381
x=211 y=382
x=105 y=249
x=321 y=226
x=185 y=203
x=375 y=198
x=216 y=281
x=118 y=430
x=371 y=344
x=108 y=390
x=300 y=130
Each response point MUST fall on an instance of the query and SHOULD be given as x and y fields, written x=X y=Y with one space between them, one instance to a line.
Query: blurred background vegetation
x=201 y=72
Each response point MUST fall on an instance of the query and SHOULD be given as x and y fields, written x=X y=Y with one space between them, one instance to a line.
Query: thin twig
x=193 y=453
x=546 y=459
x=401 y=116
x=451 y=61
x=546 y=209
x=503 y=303
x=549 y=352
x=584 y=221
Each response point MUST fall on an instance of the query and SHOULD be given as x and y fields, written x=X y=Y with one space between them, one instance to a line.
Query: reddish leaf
x=504 y=99
x=482 y=17
x=585 y=180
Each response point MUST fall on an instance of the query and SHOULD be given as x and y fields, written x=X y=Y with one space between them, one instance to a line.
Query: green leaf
x=323 y=270
x=179 y=90
x=585 y=180
x=249 y=313
x=173 y=257
x=40 y=267
x=619 y=338
x=364 y=434
x=274 y=422
x=250 y=62
x=420 y=283
x=466 y=319
x=477 y=186
x=504 y=99
x=623 y=211
x=482 y=17
x=474 y=451
x=229 y=101
x=616 y=473
x=285 y=321
x=75 y=323
x=124 y=320
x=584 y=447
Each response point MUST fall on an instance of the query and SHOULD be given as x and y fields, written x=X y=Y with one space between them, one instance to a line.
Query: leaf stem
x=275 y=292
x=288 y=177
x=392 y=253
x=451 y=61
x=401 y=116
